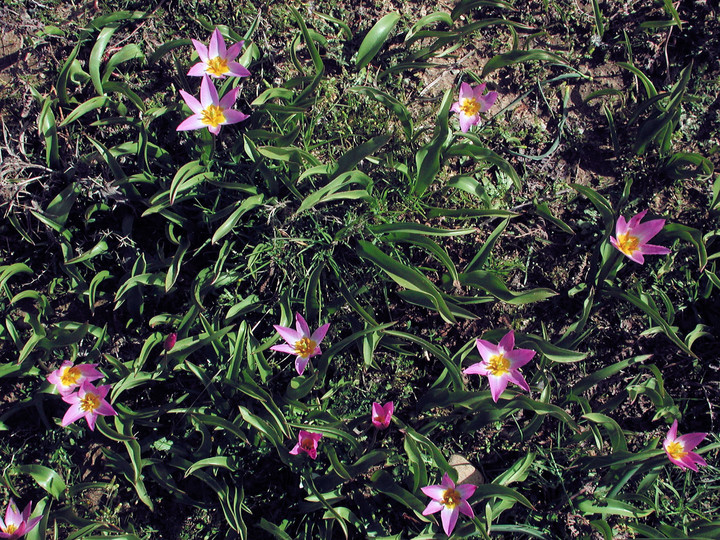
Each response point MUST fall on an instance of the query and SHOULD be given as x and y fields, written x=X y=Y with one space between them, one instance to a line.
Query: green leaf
x=222 y=462
x=517 y=56
x=481 y=153
x=96 y=56
x=405 y=276
x=46 y=478
x=375 y=39
x=495 y=286
x=391 y=103
x=428 y=158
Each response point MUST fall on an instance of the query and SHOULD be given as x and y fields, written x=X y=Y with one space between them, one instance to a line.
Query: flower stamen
x=469 y=106
x=89 y=402
x=498 y=365
x=70 y=376
x=212 y=115
x=304 y=347
x=627 y=243
x=451 y=498
x=676 y=450
x=217 y=66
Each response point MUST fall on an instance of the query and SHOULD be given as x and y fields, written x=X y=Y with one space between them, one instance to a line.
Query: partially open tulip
x=450 y=500
x=211 y=112
x=633 y=237
x=472 y=102
x=89 y=402
x=216 y=60
x=679 y=449
x=68 y=377
x=300 y=341
x=501 y=364
x=16 y=525
x=382 y=414
x=308 y=443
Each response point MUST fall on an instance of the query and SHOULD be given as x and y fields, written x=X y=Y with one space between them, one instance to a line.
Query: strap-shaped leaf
x=375 y=39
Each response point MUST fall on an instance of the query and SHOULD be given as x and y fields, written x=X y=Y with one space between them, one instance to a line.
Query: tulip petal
x=192 y=102
x=284 y=348
x=691 y=440
x=198 y=70
x=302 y=325
x=479 y=368
x=432 y=507
x=201 y=50
x=516 y=377
x=497 y=385
x=519 y=357
x=650 y=249
x=465 y=508
x=191 y=122
x=435 y=492
x=288 y=334
x=300 y=364
x=73 y=414
x=449 y=519
x=486 y=349
x=507 y=343
x=319 y=334
x=233 y=51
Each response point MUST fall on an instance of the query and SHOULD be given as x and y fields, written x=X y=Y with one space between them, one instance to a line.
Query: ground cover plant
x=376 y=270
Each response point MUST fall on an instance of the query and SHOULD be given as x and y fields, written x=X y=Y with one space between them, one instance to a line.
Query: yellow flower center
x=305 y=347
x=627 y=243
x=217 y=66
x=498 y=365
x=676 y=450
x=212 y=115
x=70 y=376
x=451 y=498
x=10 y=528
x=469 y=106
x=89 y=402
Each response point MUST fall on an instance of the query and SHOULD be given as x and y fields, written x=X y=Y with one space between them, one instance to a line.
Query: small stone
x=467 y=472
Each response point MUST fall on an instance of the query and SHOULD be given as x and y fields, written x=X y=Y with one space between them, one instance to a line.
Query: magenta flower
x=68 y=377
x=500 y=364
x=307 y=442
x=382 y=414
x=449 y=500
x=170 y=341
x=632 y=237
x=217 y=60
x=300 y=341
x=679 y=449
x=211 y=112
x=16 y=525
x=472 y=102
x=89 y=402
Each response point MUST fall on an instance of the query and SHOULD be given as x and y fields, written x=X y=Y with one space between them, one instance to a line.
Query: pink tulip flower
x=449 y=500
x=17 y=525
x=89 y=402
x=300 y=341
x=217 y=60
x=170 y=341
x=382 y=414
x=68 y=377
x=500 y=364
x=633 y=236
x=307 y=442
x=679 y=449
x=472 y=102
x=211 y=112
